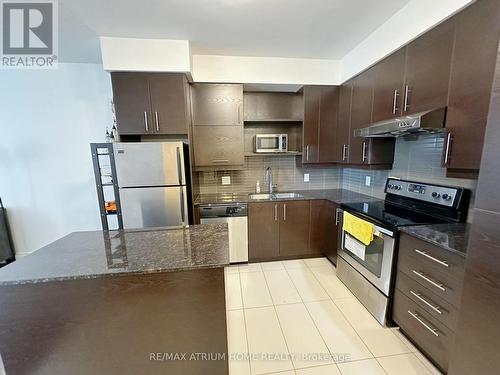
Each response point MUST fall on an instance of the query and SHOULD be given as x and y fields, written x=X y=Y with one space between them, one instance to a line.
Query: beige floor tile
x=233 y=291
x=302 y=337
x=365 y=367
x=405 y=364
x=403 y=338
x=318 y=262
x=281 y=287
x=340 y=337
x=272 y=266
x=265 y=337
x=428 y=365
x=250 y=267
x=307 y=285
x=383 y=342
x=254 y=290
x=328 y=279
x=237 y=343
x=320 y=370
x=293 y=264
x=231 y=269
x=357 y=314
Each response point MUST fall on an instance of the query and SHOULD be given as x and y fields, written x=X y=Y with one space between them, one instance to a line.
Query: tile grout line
x=245 y=323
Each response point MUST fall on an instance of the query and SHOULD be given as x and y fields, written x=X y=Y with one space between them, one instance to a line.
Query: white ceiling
x=320 y=29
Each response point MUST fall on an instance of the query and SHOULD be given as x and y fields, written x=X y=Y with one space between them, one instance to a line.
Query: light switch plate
x=226 y=180
x=306 y=177
x=368 y=180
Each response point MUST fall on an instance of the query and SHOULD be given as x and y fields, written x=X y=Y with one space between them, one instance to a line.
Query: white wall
x=47 y=120
x=214 y=68
x=411 y=21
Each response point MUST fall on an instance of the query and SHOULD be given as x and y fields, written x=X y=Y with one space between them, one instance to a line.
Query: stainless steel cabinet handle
x=430 y=281
x=146 y=121
x=337 y=216
x=179 y=166
x=441 y=262
x=395 y=102
x=447 y=150
x=239 y=113
x=364 y=151
x=275 y=212
x=434 y=331
x=157 y=121
x=407 y=92
x=220 y=161
x=307 y=152
x=344 y=152
x=284 y=212
x=419 y=296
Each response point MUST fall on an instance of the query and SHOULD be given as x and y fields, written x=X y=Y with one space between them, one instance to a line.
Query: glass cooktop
x=389 y=214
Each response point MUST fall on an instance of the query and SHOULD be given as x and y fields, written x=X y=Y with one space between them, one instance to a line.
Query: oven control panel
x=442 y=195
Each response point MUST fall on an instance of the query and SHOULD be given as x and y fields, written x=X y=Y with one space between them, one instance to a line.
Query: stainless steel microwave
x=271 y=143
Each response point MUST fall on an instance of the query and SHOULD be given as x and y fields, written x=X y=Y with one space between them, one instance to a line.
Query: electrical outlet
x=306 y=177
x=226 y=180
x=368 y=180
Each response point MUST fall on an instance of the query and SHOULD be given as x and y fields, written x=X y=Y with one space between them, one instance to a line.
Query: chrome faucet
x=269 y=180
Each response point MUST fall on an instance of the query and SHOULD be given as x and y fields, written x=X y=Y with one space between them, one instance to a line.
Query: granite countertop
x=85 y=255
x=334 y=195
x=452 y=236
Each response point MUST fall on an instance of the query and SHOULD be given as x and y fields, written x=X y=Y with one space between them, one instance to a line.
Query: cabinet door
x=324 y=231
x=168 y=102
x=263 y=231
x=312 y=98
x=472 y=71
x=217 y=104
x=361 y=111
x=132 y=103
x=389 y=86
x=294 y=228
x=218 y=145
x=328 y=116
x=341 y=145
x=428 y=69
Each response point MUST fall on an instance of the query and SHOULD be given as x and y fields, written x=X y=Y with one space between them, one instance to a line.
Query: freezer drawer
x=149 y=164
x=154 y=207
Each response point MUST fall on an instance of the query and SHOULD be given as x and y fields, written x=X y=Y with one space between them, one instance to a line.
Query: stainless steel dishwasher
x=235 y=215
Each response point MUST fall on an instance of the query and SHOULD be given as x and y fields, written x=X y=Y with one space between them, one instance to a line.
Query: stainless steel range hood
x=432 y=121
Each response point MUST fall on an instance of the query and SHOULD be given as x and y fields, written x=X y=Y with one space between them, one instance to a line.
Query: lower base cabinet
x=291 y=229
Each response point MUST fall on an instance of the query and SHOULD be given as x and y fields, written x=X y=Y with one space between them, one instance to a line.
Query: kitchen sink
x=267 y=196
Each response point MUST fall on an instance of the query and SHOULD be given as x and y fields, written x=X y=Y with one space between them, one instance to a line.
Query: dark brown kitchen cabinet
x=263 y=231
x=388 y=86
x=150 y=103
x=342 y=138
x=217 y=146
x=472 y=70
x=427 y=72
x=217 y=104
x=294 y=228
x=320 y=123
x=324 y=229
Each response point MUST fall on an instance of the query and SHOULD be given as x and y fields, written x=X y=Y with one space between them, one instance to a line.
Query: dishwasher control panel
x=223 y=210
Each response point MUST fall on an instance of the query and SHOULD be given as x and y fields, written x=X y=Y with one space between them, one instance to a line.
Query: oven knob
x=390 y=186
x=446 y=197
x=436 y=195
x=397 y=187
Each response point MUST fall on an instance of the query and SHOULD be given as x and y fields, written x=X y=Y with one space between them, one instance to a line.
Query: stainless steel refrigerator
x=153 y=183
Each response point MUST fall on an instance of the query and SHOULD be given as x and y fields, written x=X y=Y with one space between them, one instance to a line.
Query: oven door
x=374 y=261
x=269 y=143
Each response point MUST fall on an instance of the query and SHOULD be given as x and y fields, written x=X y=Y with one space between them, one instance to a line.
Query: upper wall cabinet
x=217 y=104
x=282 y=107
x=428 y=61
x=472 y=70
x=320 y=124
x=341 y=145
x=151 y=103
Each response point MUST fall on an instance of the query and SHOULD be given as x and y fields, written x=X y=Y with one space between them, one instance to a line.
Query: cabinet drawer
x=218 y=145
x=441 y=283
x=437 y=258
x=426 y=332
x=428 y=300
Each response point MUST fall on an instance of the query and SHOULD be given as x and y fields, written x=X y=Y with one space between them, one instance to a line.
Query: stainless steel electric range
x=367 y=270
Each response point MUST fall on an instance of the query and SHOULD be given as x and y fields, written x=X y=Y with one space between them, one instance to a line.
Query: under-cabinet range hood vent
x=432 y=121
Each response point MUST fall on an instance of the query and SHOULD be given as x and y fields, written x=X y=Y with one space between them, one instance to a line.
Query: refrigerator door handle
x=179 y=166
x=183 y=214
